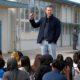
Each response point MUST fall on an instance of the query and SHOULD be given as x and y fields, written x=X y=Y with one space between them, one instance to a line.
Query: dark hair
x=78 y=54
x=75 y=57
x=78 y=65
x=2 y=63
x=20 y=54
x=60 y=57
x=50 y=6
x=37 y=59
x=46 y=60
x=58 y=64
x=12 y=64
x=25 y=62
x=69 y=61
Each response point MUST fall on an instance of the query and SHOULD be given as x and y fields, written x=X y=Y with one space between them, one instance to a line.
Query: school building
x=16 y=33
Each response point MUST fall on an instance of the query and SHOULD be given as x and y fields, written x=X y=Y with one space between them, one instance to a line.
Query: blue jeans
x=48 y=48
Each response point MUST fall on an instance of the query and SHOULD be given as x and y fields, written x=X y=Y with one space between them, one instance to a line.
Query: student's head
x=12 y=64
x=60 y=57
x=2 y=63
x=49 y=10
x=75 y=57
x=25 y=62
x=15 y=55
x=58 y=65
x=69 y=61
x=37 y=60
x=46 y=59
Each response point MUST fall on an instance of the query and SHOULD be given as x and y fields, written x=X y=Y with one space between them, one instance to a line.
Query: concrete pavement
x=65 y=51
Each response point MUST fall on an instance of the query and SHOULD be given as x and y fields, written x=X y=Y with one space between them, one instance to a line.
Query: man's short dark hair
x=50 y=6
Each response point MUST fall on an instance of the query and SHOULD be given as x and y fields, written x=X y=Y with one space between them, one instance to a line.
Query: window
x=22 y=26
x=37 y=12
x=23 y=1
x=22 y=13
x=27 y=26
x=41 y=12
x=27 y=13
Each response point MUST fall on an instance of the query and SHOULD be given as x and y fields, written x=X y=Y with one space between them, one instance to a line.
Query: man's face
x=49 y=11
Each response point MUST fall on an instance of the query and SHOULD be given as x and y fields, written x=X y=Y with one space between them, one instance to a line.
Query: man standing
x=49 y=32
x=75 y=38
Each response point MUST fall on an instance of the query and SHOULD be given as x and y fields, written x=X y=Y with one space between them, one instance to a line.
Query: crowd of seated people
x=18 y=67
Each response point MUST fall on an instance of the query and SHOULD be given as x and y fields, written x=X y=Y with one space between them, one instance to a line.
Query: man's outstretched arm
x=32 y=21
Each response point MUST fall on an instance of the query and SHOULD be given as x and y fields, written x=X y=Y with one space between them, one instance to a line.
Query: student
x=77 y=77
x=13 y=72
x=55 y=74
x=44 y=67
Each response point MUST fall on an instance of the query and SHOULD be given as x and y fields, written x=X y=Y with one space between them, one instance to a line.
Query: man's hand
x=31 y=16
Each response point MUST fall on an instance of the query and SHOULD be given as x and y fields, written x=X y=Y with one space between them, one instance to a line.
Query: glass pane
x=23 y=1
x=37 y=12
x=22 y=26
x=27 y=13
x=22 y=13
x=42 y=12
x=27 y=27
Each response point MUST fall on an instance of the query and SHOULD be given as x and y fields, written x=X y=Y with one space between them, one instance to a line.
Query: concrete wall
x=5 y=29
x=8 y=19
x=12 y=16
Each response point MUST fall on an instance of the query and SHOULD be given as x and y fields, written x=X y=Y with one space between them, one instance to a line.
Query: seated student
x=60 y=57
x=2 y=63
x=75 y=62
x=15 y=55
x=25 y=64
x=68 y=68
x=77 y=77
x=55 y=74
x=36 y=63
x=44 y=67
x=13 y=73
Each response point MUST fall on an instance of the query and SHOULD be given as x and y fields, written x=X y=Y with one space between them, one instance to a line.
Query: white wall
x=8 y=19
x=5 y=29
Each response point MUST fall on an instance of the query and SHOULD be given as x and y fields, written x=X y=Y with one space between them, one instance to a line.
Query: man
x=49 y=32
x=75 y=38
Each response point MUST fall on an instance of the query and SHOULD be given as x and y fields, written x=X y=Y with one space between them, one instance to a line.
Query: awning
x=10 y=4
x=75 y=4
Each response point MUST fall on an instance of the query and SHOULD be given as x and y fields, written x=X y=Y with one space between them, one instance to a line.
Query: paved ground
x=65 y=51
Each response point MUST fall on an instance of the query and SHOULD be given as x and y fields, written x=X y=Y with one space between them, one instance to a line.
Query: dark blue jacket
x=54 y=75
x=53 y=32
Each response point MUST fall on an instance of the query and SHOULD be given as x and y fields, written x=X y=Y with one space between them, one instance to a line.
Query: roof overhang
x=68 y=2
x=10 y=4
x=64 y=2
